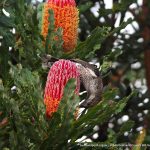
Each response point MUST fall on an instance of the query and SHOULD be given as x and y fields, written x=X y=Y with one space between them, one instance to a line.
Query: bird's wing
x=88 y=66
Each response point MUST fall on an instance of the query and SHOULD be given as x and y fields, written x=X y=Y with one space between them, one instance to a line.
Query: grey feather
x=92 y=81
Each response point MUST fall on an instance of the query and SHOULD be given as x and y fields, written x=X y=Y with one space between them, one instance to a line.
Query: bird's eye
x=95 y=66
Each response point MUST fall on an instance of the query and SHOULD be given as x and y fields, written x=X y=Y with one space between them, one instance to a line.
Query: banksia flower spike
x=66 y=17
x=59 y=74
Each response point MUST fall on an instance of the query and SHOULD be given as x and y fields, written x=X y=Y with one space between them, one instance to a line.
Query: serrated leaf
x=6 y=22
x=85 y=7
x=86 y=49
x=126 y=127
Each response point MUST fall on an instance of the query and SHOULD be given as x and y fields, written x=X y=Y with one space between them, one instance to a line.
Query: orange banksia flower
x=66 y=17
x=59 y=74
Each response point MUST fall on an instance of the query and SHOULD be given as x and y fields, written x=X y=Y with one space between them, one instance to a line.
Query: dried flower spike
x=59 y=74
x=66 y=17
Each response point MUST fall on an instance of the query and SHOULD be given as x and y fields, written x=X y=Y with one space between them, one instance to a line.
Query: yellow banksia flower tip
x=66 y=16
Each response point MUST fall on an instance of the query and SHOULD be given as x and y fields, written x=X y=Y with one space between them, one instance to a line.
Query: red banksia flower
x=66 y=17
x=58 y=76
x=62 y=2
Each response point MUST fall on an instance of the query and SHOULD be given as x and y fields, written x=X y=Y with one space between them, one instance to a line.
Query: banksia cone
x=66 y=17
x=59 y=74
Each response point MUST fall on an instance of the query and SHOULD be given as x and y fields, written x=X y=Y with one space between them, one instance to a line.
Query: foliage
x=23 y=124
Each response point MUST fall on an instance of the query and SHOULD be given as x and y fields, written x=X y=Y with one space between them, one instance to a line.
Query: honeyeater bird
x=90 y=78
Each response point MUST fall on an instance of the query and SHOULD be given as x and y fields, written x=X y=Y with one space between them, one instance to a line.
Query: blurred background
x=131 y=68
x=127 y=53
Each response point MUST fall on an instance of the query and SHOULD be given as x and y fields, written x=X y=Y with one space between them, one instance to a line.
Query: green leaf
x=85 y=7
x=126 y=127
x=6 y=22
x=87 y=48
x=122 y=26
